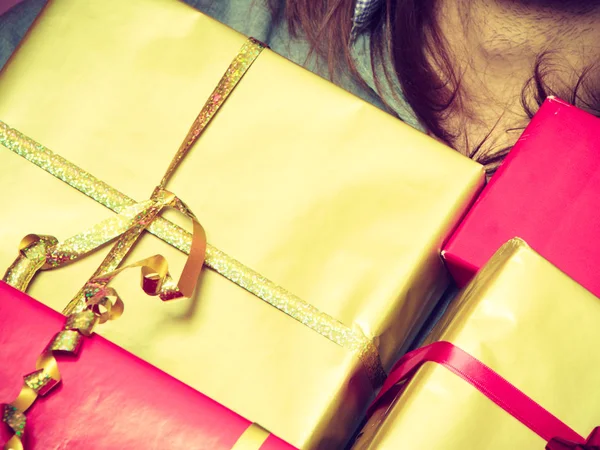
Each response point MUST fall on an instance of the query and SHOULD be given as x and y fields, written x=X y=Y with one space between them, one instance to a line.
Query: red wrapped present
x=546 y=192
x=108 y=398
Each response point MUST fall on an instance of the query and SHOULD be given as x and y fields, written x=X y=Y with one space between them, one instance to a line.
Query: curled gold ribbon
x=32 y=257
x=45 y=252
x=102 y=304
x=158 y=282
x=351 y=339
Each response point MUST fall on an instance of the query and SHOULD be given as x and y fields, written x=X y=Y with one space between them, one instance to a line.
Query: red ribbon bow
x=592 y=443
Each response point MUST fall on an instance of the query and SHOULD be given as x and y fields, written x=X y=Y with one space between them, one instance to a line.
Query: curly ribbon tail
x=39 y=252
x=154 y=283
x=161 y=197
x=489 y=383
x=102 y=304
x=47 y=376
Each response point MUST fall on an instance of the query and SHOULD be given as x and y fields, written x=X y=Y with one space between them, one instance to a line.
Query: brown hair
x=406 y=30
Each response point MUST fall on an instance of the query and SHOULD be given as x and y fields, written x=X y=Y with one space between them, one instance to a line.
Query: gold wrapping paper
x=530 y=323
x=329 y=197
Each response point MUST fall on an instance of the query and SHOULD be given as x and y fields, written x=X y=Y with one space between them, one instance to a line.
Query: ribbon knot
x=592 y=443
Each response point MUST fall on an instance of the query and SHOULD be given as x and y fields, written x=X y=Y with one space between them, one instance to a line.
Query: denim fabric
x=249 y=17
x=14 y=24
x=437 y=313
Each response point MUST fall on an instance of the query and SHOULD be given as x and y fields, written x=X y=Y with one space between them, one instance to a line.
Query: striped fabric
x=363 y=12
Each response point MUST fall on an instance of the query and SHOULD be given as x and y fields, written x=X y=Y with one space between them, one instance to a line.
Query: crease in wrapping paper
x=485 y=277
x=352 y=339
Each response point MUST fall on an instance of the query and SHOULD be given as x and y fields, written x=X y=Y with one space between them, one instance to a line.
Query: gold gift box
x=530 y=323
x=331 y=198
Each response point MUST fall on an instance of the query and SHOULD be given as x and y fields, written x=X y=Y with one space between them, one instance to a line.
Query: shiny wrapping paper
x=109 y=399
x=527 y=321
x=327 y=196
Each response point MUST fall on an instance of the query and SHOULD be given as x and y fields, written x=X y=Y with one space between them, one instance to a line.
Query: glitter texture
x=32 y=258
x=163 y=285
x=65 y=341
x=84 y=322
x=236 y=70
x=47 y=376
x=14 y=418
x=99 y=234
x=40 y=381
x=118 y=252
x=298 y=309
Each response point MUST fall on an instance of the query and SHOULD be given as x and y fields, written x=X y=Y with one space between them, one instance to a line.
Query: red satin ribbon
x=489 y=383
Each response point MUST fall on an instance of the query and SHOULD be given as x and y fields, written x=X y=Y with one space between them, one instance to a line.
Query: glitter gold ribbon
x=102 y=304
x=32 y=257
x=353 y=340
x=45 y=252
x=158 y=282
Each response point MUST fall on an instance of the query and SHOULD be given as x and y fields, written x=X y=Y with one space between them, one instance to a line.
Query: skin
x=494 y=44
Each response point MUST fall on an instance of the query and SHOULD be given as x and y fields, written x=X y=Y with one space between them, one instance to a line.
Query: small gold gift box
x=532 y=325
